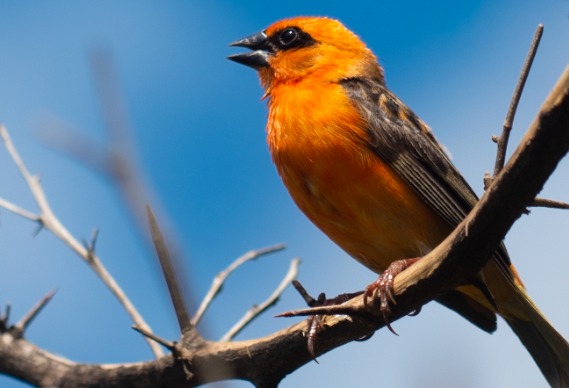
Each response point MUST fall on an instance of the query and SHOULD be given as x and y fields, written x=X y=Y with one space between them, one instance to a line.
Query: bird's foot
x=380 y=293
x=315 y=323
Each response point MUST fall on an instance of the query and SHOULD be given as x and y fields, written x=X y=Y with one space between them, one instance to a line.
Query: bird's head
x=293 y=49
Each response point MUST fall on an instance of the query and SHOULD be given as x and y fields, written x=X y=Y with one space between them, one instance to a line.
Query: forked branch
x=48 y=220
x=502 y=140
x=265 y=361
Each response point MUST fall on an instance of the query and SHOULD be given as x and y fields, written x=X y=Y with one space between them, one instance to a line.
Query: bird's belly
x=364 y=207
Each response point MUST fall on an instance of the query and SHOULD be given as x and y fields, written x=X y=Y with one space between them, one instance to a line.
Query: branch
x=549 y=203
x=13 y=208
x=542 y=147
x=19 y=328
x=167 y=344
x=48 y=220
x=167 y=265
x=502 y=140
x=266 y=361
x=255 y=311
x=221 y=277
x=509 y=121
x=116 y=160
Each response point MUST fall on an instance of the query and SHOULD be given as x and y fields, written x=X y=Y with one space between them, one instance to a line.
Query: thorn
x=8 y=311
x=38 y=228
x=90 y=245
x=19 y=328
x=170 y=345
x=5 y=319
x=549 y=203
x=256 y=310
x=310 y=301
x=222 y=276
x=169 y=272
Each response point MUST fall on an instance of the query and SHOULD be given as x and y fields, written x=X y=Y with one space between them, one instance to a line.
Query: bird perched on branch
x=371 y=175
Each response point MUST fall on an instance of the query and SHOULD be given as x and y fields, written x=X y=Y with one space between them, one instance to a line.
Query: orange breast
x=318 y=143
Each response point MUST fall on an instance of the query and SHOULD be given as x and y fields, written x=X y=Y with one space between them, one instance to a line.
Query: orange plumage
x=371 y=175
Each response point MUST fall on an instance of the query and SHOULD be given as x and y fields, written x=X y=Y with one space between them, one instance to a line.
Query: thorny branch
x=550 y=203
x=86 y=249
x=48 y=220
x=221 y=277
x=118 y=163
x=502 y=140
x=170 y=345
x=117 y=160
x=17 y=330
x=255 y=311
x=33 y=313
x=265 y=361
x=172 y=281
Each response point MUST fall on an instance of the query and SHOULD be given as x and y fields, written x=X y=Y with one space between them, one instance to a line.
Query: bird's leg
x=315 y=323
x=381 y=291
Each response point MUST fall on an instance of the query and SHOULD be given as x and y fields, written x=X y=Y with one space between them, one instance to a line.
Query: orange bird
x=371 y=175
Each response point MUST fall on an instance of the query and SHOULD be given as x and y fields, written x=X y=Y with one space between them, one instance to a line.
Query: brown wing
x=400 y=138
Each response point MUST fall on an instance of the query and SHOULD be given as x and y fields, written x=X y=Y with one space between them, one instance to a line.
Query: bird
x=370 y=174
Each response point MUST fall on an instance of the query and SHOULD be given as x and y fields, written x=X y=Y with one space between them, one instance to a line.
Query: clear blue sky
x=199 y=128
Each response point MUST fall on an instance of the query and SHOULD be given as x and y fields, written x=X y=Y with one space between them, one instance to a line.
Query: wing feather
x=406 y=143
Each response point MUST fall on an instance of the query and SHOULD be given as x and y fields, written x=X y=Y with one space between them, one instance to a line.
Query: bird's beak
x=257 y=58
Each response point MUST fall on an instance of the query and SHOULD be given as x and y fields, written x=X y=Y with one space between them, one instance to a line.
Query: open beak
x=257 y=58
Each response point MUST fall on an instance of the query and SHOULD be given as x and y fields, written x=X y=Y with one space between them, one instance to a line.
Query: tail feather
x=550 y=352
x=548 y=348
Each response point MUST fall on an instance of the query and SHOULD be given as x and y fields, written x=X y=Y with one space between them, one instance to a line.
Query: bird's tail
x=548 y=348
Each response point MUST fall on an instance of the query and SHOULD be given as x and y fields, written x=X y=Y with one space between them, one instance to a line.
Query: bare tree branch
x=48 y=220
x=502 y=141
x=255 y=311
x=221 y=277
x=13 y=208
x=265 y=361
x=117 y=160
x=27 y=319
x=167 y=265
x=167 y=344
x=549 y=203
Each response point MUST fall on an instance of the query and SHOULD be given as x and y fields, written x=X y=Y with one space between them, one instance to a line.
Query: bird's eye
x=288 y=37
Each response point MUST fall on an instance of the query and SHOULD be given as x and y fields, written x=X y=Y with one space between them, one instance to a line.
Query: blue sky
x=199 y=130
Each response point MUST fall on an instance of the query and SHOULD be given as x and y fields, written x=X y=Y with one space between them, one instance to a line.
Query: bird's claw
x=315 y=323
x=380 y=293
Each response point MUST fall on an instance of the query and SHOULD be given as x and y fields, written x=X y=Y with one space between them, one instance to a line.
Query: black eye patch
x=290 y=38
